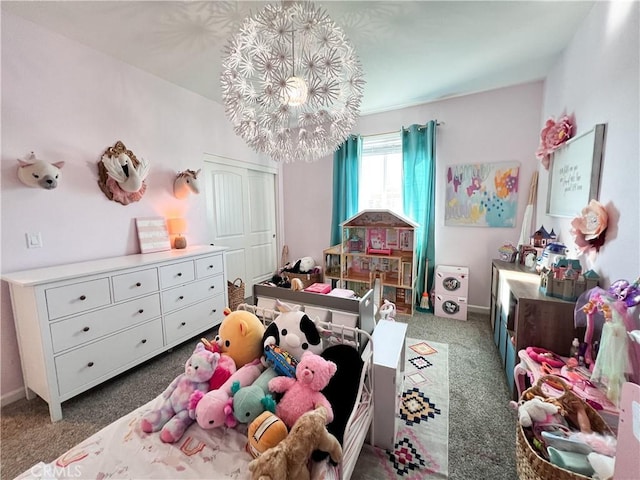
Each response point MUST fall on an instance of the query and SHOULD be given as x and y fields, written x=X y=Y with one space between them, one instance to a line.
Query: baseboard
x=11 y=397
x=478 y=309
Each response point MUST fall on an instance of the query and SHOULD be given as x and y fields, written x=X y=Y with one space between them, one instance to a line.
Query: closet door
x=241 y=214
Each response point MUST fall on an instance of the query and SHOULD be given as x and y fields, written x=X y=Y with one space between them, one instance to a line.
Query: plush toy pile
x=271 y=380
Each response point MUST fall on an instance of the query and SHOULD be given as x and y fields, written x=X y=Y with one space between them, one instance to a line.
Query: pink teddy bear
x=172 y=417
x=303 y=393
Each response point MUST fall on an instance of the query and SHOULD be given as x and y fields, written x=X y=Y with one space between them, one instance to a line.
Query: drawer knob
x=210 y=266
x=85 y=329
x=214 y=310
x=141 y=310
x=138 y=284
x=144 y=340
x=183 y=323
x=179 y=274
x=181 y=297
x=90 y=364
x=212 y=287
x=83 y=297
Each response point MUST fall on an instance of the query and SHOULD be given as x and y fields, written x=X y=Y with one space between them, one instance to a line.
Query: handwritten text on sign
x=570 y=178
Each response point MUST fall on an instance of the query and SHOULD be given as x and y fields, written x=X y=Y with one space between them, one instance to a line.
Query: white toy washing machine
x=451 y=285
x=451 y=280
x=450 y=306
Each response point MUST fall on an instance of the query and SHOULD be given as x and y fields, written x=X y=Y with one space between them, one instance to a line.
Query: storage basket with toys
x=235 y=290
x=559 y=436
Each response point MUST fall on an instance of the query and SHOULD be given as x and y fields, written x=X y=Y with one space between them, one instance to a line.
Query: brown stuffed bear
x=288 y=459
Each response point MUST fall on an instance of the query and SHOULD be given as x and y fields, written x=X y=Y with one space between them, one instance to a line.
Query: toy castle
x=565 y=280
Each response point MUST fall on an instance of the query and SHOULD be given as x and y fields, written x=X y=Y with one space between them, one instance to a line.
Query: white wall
x=597 y=80
x=496 y=126
x=68 y=102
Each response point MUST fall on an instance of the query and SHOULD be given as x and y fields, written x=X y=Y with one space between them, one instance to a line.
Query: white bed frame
x=361 y=419
x=122 y=450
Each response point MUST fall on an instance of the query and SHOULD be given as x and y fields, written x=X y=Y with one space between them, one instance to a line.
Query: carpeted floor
x=421 y=448
x=481 y=425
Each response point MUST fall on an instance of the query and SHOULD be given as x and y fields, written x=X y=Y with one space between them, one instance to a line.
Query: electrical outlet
x=34 y=240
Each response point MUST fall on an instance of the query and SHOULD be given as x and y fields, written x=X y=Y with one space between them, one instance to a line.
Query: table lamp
x=178 y=226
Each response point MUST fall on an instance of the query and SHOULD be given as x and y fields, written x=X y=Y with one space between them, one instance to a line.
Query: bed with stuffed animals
x=215 y=442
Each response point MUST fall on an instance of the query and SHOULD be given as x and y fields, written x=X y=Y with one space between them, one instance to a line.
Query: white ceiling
x=412 y=52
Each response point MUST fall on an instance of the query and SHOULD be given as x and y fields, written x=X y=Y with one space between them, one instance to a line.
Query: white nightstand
x=389 y=340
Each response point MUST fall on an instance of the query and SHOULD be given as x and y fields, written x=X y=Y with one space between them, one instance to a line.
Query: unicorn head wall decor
x=38 y=173
x=186 y=182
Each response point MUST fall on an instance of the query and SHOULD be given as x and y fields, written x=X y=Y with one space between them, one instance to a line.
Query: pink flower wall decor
x=552 y=136
x=590 y=227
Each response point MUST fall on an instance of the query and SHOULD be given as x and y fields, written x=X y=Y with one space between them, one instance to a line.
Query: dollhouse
x=377 y=249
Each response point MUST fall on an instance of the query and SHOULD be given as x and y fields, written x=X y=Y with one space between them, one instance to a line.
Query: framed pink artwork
x=153 y=234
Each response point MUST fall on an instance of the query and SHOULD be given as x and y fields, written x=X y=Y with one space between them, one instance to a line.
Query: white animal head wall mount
x=186 y=182
x=38 y=173
x=122 y=175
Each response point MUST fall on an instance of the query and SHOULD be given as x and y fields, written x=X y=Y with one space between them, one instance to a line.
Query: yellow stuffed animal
x=288 y=459
x=240 y=336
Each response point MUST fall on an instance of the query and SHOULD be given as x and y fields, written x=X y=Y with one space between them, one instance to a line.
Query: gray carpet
x=481 y=426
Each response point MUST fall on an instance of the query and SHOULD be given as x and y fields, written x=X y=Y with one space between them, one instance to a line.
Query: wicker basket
x=235 y=291
x=532 y=466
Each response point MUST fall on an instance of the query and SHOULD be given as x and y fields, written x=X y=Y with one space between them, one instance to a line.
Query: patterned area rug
x=421 y=449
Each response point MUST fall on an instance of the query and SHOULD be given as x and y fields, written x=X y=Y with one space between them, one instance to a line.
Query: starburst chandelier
x=291 y=82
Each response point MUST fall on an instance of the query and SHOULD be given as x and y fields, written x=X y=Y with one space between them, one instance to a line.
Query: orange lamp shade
x=177 y=226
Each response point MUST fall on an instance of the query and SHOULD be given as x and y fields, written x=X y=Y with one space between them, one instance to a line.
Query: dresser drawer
x=176 y=274
x=208 y=266
x=130 y=285
x=189 y=321
x=75 y=331
x=92 y=362
x=193 y=292
x=76 y=298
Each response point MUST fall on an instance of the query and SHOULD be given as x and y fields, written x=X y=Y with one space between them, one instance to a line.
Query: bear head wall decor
x=38 y=173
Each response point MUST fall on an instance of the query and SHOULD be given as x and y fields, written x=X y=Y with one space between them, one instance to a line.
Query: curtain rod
x=438 y=123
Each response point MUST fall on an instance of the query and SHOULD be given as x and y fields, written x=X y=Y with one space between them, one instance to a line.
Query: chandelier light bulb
x=296 y=92
x=291 y=82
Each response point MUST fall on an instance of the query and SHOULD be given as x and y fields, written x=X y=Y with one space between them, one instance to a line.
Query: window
x=380 y=175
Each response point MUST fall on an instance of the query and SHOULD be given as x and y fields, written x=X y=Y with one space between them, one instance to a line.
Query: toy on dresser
x=172 y=417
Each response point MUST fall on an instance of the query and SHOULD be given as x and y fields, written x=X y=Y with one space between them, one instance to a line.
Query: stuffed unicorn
x=172 y=416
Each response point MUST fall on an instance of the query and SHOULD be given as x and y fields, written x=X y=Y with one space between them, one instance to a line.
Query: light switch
x=34 y=240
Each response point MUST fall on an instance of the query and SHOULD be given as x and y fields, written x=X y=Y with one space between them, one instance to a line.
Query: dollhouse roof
x=542 y=232
x=590 y=274
x=386 y=218
x=569 y=263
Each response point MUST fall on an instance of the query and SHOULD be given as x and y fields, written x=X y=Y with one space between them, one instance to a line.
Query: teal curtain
x=418 y=162
x=346 y=161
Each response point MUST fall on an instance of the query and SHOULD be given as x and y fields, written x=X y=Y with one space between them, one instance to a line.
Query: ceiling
x=412 y=52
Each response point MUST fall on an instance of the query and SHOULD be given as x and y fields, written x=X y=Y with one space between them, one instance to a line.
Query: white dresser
x=83 y=323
